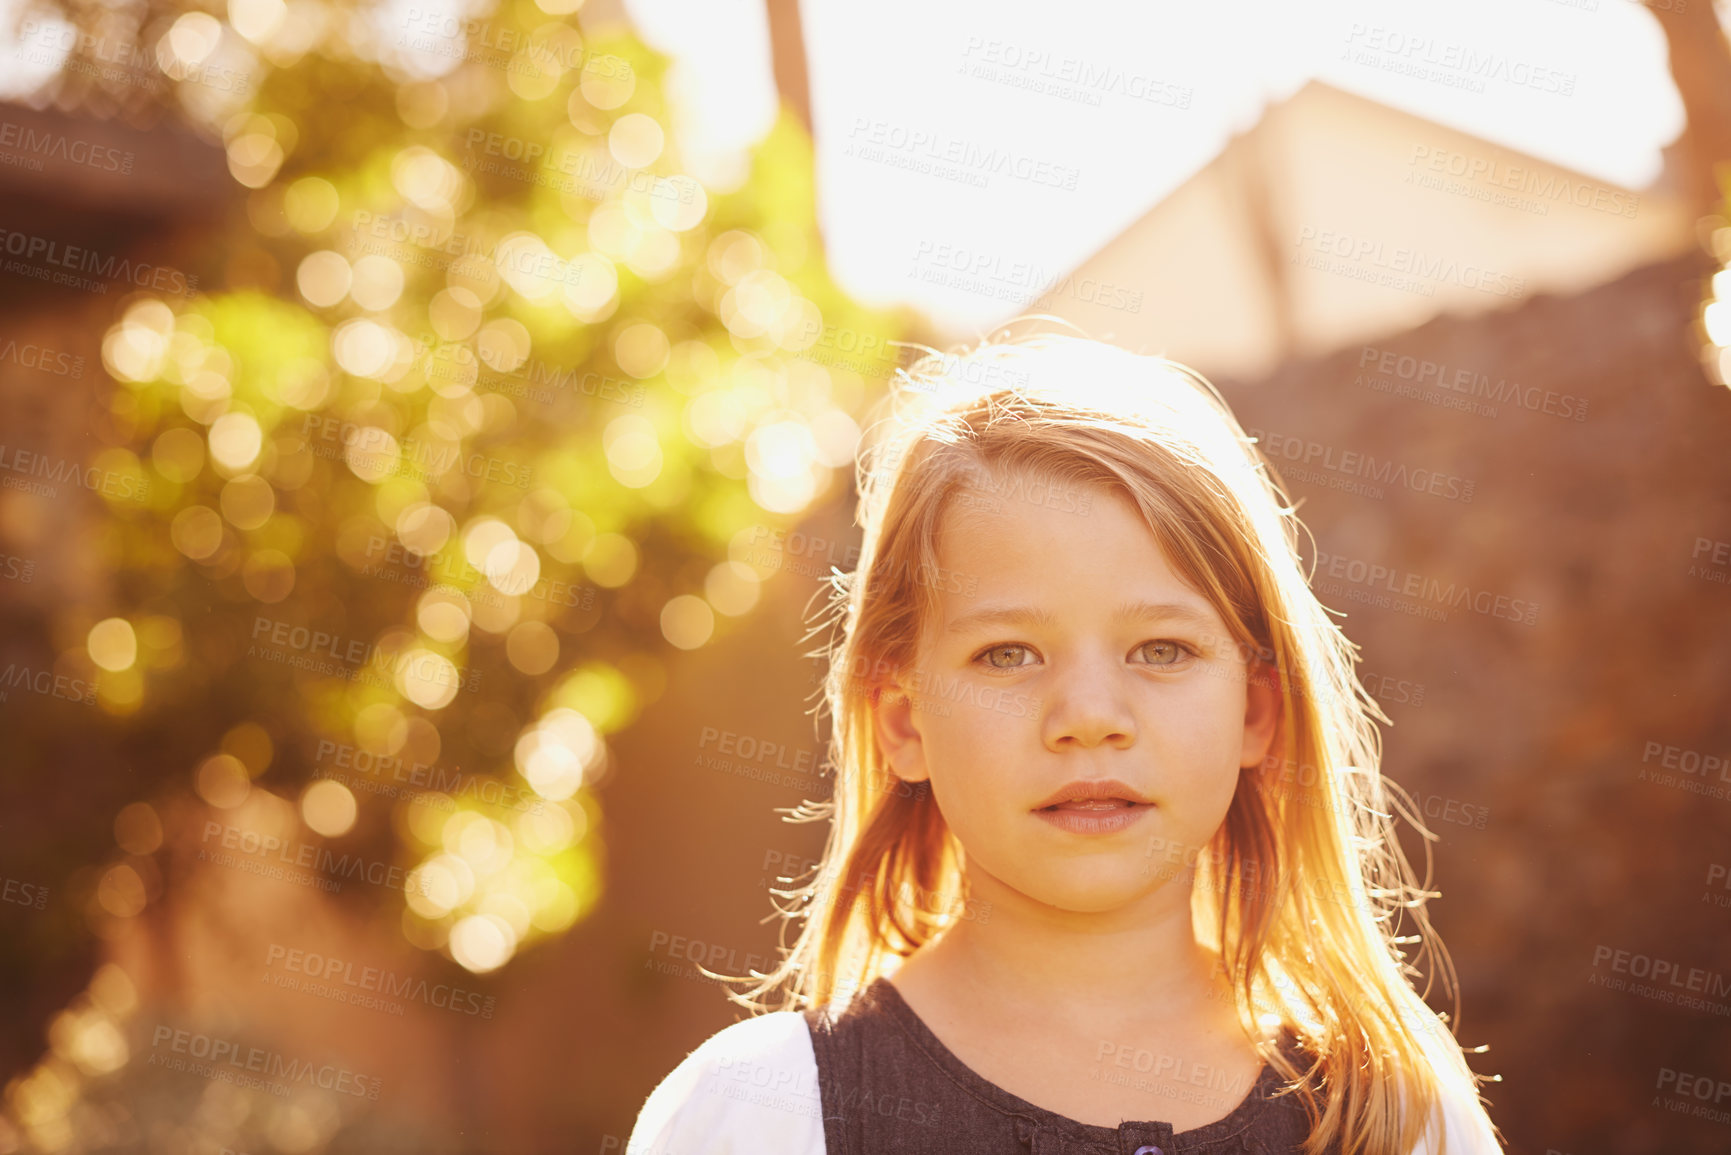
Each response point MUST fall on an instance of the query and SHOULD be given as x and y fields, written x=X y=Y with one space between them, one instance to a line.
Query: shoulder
x=1466 y=1126
x=749 y=1088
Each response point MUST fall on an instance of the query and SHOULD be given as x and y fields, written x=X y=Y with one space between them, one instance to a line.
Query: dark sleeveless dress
x=887 y=1085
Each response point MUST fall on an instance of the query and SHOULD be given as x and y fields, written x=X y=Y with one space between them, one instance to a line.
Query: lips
x=1103 y=793
x=1087 y=804
x=1094 y=816
x=1094 y=806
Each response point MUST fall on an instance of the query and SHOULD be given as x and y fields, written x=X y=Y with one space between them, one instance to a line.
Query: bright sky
x=1101 y=109
x=1105 y=108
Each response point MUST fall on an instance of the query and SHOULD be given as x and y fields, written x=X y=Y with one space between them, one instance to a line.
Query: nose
x=1089 y=707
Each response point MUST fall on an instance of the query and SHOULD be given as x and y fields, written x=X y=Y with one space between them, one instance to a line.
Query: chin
x=1094 y=895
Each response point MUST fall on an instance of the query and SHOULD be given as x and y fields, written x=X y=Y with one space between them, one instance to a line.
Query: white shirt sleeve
x=1468 y=1129
x=750 y=1089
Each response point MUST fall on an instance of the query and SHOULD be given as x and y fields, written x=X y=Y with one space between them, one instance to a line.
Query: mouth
x=1087 y=805
x=1094 y=815
x=1094 y=794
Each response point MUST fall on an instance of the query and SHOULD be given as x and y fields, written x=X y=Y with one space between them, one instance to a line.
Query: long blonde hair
x=1301 y=891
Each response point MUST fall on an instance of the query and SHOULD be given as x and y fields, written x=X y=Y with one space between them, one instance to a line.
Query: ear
x=1262 y=702
x=897 y=733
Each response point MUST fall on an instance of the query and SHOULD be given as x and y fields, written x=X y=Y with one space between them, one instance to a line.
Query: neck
x=1140 y=962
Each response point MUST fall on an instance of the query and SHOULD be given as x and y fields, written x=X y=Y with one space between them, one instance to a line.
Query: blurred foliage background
x=461 y=426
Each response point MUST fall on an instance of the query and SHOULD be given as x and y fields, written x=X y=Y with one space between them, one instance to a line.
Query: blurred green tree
x=480 y=419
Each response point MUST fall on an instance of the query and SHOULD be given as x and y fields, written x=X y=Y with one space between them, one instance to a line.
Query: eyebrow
x=1129 y=611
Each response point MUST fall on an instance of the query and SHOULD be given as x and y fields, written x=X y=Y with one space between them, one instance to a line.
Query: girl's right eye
x=1007 y=646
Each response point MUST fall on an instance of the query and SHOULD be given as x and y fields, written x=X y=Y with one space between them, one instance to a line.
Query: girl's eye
x=1160 y=653
x=1008 y=648
x=1165 y=653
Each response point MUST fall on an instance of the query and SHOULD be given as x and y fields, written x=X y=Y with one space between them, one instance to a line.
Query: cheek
x=1199 y=744
x=1202 y=777
x=1214 y=718
x=971 y=755
x=966 y=743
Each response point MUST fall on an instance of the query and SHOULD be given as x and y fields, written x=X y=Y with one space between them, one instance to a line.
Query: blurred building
x=1337 y=218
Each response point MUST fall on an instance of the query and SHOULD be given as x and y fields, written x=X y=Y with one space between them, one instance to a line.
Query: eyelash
x=1185 y=652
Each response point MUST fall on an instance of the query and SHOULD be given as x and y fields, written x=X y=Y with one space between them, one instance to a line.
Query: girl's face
x=1068 y=657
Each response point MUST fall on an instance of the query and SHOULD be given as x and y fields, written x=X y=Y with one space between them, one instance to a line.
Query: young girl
x=1111 y=866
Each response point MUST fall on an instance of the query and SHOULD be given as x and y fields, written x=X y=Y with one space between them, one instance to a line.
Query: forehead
x=1002 y=505
x=1049 y=545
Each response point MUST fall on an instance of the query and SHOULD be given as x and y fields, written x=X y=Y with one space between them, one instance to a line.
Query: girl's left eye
x=1010 y=646
x=1169 y=653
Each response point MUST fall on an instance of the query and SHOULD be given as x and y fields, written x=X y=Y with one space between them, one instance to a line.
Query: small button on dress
x=1149 y=1151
